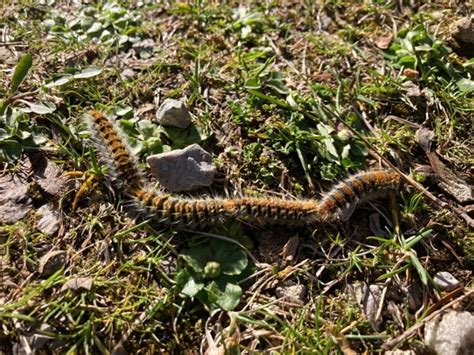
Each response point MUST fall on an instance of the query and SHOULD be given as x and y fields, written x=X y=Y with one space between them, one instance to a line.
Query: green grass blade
x=21 y=70
x=271 y=99
x=409 y=243
x=419 y=268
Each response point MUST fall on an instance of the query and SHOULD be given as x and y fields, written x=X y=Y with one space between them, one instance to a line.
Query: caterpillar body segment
x=356 y=189
x=123 y=170
x=181 y=211
x=276 y=211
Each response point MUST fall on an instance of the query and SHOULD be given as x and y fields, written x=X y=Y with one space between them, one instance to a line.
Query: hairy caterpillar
x=359 y=187
x=123 y=171
x=181 y=211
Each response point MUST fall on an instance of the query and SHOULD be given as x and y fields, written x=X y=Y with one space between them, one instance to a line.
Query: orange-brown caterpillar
x=122 y=168
x=175 y=210
x=354 y=189
x=203 y=211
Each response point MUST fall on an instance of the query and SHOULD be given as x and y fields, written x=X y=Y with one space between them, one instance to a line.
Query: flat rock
x=183 y=169
x=49 y=178
x=451 y=334
x=15 y=202
x=173 y=113
x=49 y=221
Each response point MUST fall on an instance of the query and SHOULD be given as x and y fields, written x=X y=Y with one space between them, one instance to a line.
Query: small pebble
x=173 y=113
x=49 y=222
x=292 y=293
x=445 y=281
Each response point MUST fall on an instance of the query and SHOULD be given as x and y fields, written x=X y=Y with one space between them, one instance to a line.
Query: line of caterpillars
x=125 y=175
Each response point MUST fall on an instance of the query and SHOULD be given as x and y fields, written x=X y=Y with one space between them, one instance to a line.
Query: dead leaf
x=290 y=248
x=78 y=283
x=448 y=180
x=51 y=262
x=411 y=73
x=383 y=42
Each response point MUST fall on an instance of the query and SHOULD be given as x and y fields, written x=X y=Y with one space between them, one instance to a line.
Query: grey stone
x=291 y=292
x=451 y=334
x=14 y=200
x=445 y=281
x=49 y=222
x=173 y=113
x=183 y=169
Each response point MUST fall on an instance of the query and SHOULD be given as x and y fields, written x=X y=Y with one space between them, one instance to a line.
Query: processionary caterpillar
x=123 y=170
x=124 y=173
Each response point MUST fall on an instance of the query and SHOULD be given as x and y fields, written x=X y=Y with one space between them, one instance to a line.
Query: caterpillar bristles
x=123 y=171
x=354 y=190
x=163 y=208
